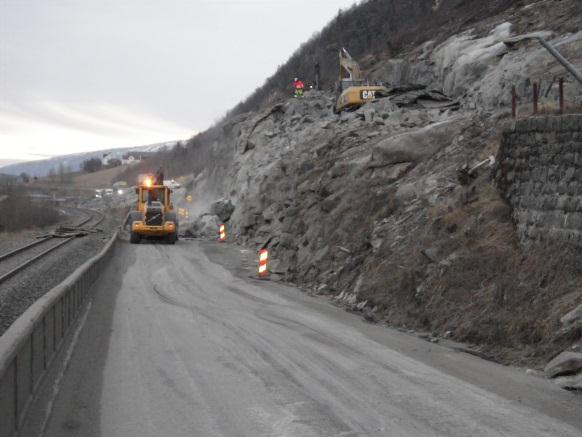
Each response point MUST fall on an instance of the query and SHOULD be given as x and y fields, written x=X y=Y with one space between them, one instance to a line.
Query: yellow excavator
x=153 y=215
x=352 y=89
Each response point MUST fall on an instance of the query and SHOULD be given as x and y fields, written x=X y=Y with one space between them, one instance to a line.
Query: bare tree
x=61 y=172
x=91 y=165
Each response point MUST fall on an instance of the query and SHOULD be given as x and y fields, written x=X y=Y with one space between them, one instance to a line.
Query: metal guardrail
x=29 y=346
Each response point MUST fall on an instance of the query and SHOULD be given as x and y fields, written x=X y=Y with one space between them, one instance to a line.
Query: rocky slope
x=366 y=207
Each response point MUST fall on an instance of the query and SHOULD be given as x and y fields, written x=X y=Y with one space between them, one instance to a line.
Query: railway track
x=17 y=260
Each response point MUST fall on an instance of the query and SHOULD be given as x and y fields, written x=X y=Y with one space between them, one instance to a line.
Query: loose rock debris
x=366 y=206
x=68 y=232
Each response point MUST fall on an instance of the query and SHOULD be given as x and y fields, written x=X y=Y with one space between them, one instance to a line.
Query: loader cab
x=147 y=193
x=153 y=194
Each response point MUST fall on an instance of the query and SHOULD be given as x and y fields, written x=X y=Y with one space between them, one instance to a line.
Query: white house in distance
x=131 y=158
x=128 y=160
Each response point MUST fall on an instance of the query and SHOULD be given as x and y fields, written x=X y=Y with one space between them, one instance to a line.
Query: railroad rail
x=93 y=216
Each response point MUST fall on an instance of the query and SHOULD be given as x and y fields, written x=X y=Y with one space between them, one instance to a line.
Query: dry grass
x=484 y=286
x=20 y=213
x=508 y=299
x=99 y=179
x=548 y=108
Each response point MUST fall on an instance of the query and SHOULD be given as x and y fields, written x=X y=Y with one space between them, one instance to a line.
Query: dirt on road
x=180 y=341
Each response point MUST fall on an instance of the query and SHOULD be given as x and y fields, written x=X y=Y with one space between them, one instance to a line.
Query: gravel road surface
x=179 y=341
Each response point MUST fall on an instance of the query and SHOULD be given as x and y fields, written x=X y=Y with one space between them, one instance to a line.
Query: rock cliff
x=367 y=206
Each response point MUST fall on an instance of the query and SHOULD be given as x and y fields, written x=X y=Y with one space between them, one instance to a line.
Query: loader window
x=154 y=195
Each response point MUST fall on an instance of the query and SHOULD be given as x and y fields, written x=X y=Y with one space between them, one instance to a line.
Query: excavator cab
x=153 y=215
x=344 y=84
x=353 y=92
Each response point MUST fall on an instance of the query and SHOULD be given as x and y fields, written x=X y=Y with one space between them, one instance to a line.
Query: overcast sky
x=79 y=75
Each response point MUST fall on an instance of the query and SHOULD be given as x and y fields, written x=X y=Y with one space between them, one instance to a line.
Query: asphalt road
x=180 y=342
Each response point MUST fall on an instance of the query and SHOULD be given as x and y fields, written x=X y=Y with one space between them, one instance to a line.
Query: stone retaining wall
x=540 y=174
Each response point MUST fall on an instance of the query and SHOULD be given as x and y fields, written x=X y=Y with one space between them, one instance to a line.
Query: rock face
x=365 y=206
x=540 y=174
x=482 y=68
x=313 y=181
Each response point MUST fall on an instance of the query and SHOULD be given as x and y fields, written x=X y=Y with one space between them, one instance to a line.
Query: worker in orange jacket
x=299 y=87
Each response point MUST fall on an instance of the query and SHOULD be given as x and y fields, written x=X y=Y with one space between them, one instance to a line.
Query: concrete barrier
x=28 y=347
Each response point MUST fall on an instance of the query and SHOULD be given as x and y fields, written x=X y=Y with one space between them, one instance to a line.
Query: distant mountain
x=73 y=162
x=5 y=162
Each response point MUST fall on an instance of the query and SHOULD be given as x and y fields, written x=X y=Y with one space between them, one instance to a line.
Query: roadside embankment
x=367 y=207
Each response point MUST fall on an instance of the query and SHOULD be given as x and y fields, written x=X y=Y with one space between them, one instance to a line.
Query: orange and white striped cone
x=263 y=270
x=222 y=233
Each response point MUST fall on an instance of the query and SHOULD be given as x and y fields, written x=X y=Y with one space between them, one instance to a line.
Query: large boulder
x=565 y=364
x=222 y=208
x=205 y=226
x=569 y=382
x=417 y=144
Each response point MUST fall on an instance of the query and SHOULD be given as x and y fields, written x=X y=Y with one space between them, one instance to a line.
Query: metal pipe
x=556 y=54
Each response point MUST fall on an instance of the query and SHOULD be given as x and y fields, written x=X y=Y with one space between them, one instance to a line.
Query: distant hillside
x=7 y=179
x=73 y=162
x=5 y=162
x=371 y=31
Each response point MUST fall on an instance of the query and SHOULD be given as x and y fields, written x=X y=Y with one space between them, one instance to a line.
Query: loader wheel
x=134 y=238
x=171 y=217
x=133 y=216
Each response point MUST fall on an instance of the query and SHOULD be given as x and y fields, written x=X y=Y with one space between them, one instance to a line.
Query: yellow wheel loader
x=153 y=216
x=353 y=92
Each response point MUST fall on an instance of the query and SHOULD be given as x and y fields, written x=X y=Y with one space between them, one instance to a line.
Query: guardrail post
x=8 y=402
x=23 y=378
x=59 y=322
x=44 y=343
x=70 y=309
x=561 y=82
x=38 y=353
x=535 y=98
x=513 y=102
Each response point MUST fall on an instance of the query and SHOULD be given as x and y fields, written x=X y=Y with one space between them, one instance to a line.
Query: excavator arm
x=352 y=91
x=350 y=66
